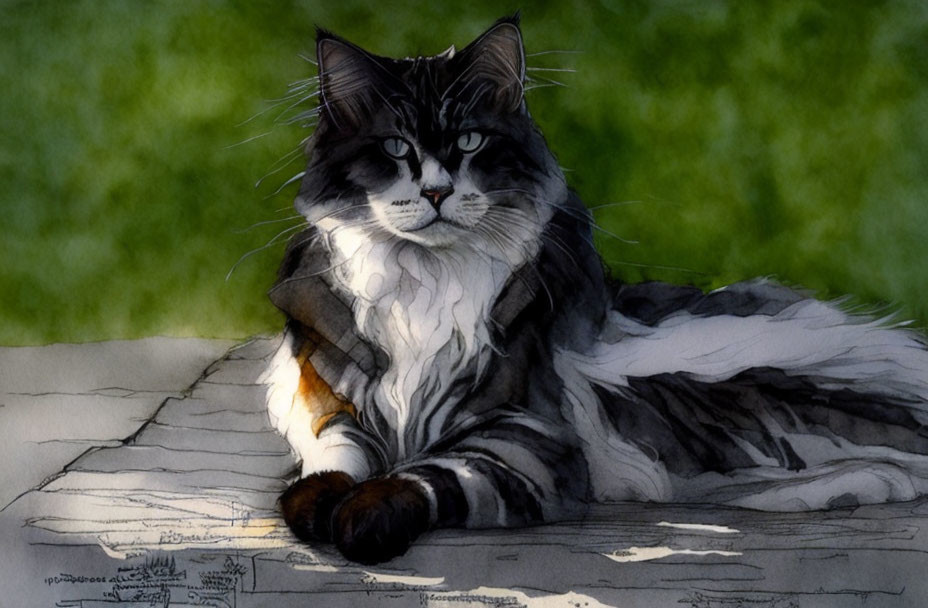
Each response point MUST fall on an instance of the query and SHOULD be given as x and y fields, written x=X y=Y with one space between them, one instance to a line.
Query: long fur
x=483 y=371
x=429 y=310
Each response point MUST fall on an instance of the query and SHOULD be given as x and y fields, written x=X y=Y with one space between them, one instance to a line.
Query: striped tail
x=757 y=396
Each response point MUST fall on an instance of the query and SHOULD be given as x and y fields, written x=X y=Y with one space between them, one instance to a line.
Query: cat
x=456 y=356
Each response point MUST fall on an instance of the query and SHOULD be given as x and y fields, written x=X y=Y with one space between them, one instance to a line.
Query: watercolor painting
x=602 y=304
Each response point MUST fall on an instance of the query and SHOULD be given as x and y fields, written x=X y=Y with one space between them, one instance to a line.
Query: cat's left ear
x=497 y=57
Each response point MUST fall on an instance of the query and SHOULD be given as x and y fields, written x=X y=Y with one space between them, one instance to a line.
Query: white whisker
x=656 y=266
x=548 y=80
x=291 y=156
x=618 y=204
x=296 y=103
x=265 y=246
x=308 y=59
x=274 y=104
x=553 y=52
x=537 y=69
x=265 y=222
x=245 y=141
x=285 y=184
x=576 y=214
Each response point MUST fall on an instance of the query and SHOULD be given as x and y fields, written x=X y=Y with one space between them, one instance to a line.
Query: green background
x=730 y=139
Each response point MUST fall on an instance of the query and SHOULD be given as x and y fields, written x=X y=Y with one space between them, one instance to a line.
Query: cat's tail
x=760 y=396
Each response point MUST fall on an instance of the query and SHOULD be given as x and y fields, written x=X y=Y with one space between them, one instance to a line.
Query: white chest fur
x=429 y=310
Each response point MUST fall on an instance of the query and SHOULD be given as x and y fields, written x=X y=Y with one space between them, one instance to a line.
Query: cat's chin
x=438 y=234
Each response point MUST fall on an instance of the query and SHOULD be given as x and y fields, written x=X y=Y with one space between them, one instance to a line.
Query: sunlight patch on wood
x=699 y=527
x=398 y=579
x=643 y=554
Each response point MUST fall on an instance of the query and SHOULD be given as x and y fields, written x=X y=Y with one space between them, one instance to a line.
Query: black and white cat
x=456 y=356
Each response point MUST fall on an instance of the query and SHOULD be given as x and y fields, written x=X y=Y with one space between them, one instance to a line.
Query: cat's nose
x=436 y=194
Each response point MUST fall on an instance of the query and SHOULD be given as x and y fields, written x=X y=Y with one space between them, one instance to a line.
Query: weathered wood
x=184 y=513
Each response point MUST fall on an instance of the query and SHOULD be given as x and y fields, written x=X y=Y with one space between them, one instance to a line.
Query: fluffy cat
x=456 y=356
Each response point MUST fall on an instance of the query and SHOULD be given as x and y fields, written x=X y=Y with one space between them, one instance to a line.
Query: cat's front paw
x=308 y=504
x=379 y=519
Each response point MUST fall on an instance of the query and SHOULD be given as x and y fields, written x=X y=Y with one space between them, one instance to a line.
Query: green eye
x=470 y=141
x=395 y=147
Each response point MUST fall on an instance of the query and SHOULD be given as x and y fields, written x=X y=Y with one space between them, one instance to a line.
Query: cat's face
x=434 y=150
x=431 y=195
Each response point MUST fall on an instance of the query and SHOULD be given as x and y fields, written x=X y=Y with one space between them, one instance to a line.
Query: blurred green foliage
x=729 y=139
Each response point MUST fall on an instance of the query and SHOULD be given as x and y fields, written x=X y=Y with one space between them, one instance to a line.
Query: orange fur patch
x=315 y=395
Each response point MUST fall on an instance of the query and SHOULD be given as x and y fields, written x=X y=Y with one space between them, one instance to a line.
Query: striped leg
x=514 y=472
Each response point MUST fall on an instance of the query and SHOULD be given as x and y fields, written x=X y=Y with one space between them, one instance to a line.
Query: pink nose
x=435 y=195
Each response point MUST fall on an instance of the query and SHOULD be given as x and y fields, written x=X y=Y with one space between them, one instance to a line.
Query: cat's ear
x=496 y=57
x=349 y=80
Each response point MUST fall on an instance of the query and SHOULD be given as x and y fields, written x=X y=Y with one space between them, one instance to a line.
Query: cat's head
x=436 y=150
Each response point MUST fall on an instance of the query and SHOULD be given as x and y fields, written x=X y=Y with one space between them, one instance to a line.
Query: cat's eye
x=470 y=141
x=396 y=147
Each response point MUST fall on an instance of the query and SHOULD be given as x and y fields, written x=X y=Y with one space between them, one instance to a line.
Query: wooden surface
x=183 y=513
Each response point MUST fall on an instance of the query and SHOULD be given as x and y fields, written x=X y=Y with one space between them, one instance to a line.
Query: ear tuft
x=348 y=79
x=322 y=33
x=497 y=57
x=513 y=19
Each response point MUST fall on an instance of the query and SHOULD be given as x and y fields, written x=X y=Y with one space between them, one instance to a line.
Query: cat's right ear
x=349 y=78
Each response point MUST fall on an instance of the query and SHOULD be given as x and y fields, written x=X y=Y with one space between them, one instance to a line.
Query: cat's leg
x=517 y=471
x=322 y=430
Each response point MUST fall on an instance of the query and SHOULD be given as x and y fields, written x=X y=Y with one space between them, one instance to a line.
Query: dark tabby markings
x=522 y=505
x=308 y=504
x=698 y=426
x=450 y=503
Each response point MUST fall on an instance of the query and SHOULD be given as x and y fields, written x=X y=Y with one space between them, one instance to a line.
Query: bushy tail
x=757 y=395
